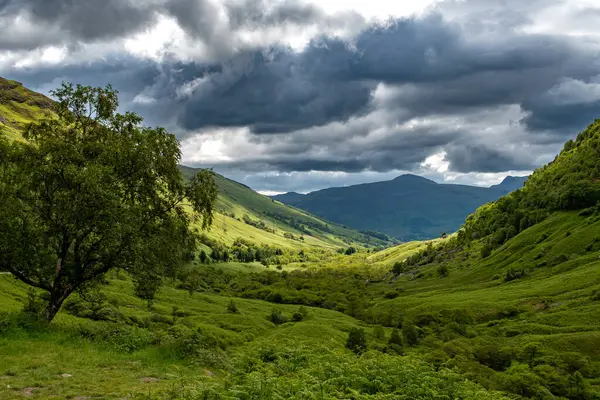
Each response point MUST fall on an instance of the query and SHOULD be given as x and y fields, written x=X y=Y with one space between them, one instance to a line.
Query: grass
x=38 y=358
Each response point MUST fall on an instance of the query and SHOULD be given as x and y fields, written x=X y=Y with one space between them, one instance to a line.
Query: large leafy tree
x=92 y=190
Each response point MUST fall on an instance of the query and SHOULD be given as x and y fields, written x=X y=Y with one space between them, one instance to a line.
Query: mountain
x=408 y=207
x=241 y=212
x=510 y=183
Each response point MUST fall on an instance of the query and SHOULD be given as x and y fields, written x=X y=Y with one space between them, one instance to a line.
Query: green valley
x=275 y=303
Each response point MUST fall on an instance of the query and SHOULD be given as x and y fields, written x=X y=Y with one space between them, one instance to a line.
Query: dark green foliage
x=443 y=271
x=399 y=268
x=34 y=304
x=94 y=190
x=356 y=341
x=486 y=250
x=512 y=274
x=297 y=316
x=395 y=338
x=494 y=357
x=203 y=257
x=410 y=333
x=232 y=307
x=145 y=287
x=378 y=332
x=277 y=317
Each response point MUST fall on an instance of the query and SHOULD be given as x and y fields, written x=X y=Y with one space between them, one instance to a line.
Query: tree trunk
x=56 y=300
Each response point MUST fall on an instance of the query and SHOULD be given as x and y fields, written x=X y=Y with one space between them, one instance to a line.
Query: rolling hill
x=241 y=212
x=408 y=207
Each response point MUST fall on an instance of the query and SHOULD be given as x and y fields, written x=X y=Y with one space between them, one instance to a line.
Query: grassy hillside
x=198 y=347
x=19 y=106
x=408 y=207
x=268 y=221
x=511 y=300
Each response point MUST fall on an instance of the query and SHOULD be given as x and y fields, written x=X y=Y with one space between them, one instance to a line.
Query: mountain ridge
x=407 y=207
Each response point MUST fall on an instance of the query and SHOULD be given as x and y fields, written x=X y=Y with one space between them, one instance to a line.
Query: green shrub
x=297 y=316
x=410 y=333
x=513 y=273
x=378 y=332
x=232 y=307
x=395 y=338
x=277 y=317
x=443 y=271
x=34 y=304
x=486 y=250
x=356 y=341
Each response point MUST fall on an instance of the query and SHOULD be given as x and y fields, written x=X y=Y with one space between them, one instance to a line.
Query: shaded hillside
x=408 y=207
x=259 y=218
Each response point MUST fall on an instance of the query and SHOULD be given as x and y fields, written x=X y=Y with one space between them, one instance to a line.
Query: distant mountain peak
x=511 y=183
x=412 y=178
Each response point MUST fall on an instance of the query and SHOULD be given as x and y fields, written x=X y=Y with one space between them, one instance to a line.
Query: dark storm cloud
x=437 y=67
x=340 y=105
x=469 y=158
x=74 y=20
x=273 y=92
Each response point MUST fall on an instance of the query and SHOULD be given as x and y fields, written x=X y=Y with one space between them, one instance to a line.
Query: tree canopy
x=91 y=190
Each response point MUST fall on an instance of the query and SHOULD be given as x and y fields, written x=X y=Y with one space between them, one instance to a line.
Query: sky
x=291 y=95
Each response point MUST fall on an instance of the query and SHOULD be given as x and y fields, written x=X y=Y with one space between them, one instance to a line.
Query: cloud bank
x=288 y=95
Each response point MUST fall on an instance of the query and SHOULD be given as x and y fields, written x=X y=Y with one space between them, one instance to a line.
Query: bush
x=395 y=338
x=486 y=250
x=277 y=317
x=232 y=307
x=356 y=341
x=410 y=333
x=443 y=271
x=513 y=274
x=297 y=317
x=34 y=304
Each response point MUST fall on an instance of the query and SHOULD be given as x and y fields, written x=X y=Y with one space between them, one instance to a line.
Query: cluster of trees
x=260 y=224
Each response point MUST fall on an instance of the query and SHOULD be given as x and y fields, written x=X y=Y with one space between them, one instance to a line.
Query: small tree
x=232 y=307
x=443 y=271
x=486 y=250
x=356 y=341
x=395 y=338
x=94 y=190
x=410 y=333
x=202 y=256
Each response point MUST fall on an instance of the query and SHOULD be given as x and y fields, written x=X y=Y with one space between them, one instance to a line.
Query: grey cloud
x=470 y=158
x=440 y=68
x=88 y=20
x=315 y=109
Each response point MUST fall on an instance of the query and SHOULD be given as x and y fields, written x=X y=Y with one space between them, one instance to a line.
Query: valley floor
x=520 y=323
